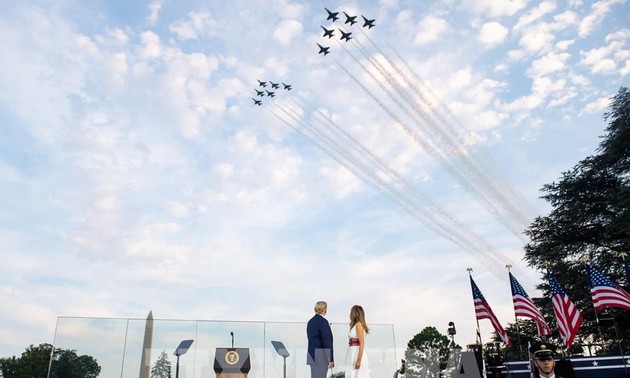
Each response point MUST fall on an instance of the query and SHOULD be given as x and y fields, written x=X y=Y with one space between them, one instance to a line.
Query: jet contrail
x=469 y=176
x=371 y=170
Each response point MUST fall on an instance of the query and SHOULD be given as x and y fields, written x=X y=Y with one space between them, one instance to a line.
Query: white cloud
x=430 y=28
x=154 y=10
x=292 y=11
x=565 y=45
x=118 y=36
x=151 y=48
x=287 y=31
x=494 y=8
x=461 y=78
x=539 y=36
x=566 y=19
x=598 y=11
x=492 y=33
x=179 y=209
x=388 y=3
x=597 y=106
x=547 y=64
x=197 y=24
x=535 y=14
x=605 y=59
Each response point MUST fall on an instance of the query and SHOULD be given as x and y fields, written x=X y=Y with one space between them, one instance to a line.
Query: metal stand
x=281 y=350
x=181 y=349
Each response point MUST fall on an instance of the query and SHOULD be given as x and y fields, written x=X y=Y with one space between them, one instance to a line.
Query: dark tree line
x=589 y=222
x=35 y=361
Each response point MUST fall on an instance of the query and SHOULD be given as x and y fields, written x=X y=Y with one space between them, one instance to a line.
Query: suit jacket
x=320 y=341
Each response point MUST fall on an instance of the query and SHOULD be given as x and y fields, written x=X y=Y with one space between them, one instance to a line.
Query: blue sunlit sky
x=137 y=174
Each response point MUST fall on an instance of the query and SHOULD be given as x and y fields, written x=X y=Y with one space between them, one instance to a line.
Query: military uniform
x=542 y=352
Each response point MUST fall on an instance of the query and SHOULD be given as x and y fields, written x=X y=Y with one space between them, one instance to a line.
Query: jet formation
x=324 y=50
x=345 y=35
x=268 y=93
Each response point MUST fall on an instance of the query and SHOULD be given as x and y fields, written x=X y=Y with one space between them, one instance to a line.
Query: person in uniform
x=545 y=366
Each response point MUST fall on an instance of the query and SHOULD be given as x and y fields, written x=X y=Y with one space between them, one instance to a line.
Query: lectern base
x=231 y=375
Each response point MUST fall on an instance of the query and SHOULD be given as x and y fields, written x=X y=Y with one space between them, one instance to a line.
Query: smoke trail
x=467 y=181
x=417 y=205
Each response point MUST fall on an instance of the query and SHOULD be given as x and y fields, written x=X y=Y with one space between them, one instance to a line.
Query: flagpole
x=518 y=330
x=623 y=255
x=483 y=360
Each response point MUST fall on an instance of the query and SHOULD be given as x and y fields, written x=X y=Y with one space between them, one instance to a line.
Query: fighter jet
x=332 y=15
x=328 y=32
x=259 y=93
x=274 y=85
x=368 y=23
x=270 y=94
x=345 y=36
x=350 y=19
x=287 y=86
x=257 y=102
x=262 y=83
x=323 y=50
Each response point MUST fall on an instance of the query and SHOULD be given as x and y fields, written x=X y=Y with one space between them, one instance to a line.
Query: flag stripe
x=483 y=311
x=524 y=306
x=605 y=292
x=568 y=316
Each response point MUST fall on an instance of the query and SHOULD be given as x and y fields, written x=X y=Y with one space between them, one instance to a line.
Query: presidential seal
x=232 y=357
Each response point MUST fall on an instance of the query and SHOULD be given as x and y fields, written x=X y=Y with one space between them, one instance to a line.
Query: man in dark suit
x=320 y=342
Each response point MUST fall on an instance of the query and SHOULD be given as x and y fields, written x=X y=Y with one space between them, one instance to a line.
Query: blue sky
x=138 y=175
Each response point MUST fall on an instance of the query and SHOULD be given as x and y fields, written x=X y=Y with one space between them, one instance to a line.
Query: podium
x=231 y=362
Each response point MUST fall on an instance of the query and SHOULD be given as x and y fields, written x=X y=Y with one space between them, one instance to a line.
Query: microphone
x=232 y=334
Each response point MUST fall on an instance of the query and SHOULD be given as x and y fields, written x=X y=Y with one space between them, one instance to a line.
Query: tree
x=590 y=219
x=521 y=336
x=426 y=346
x=162 y=367
x=35 y=361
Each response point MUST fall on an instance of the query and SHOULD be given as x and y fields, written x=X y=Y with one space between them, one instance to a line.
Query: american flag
x=627 y=265
x=524 y=306
x=483 y=311
x=606 y=293
x=568 y=316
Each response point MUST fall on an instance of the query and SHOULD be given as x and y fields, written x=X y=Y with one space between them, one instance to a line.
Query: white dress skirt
x=351 y=357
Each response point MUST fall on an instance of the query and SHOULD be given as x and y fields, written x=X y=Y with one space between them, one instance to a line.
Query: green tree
x=590 y=218
x=521 y=336
x=35 y=361
x=162 y=367
x=426 y=346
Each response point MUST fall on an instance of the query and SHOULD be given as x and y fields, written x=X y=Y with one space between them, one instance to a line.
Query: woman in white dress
x=357 y=365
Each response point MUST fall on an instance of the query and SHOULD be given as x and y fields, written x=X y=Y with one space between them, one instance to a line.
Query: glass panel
x=102 y=339
x=117 y=345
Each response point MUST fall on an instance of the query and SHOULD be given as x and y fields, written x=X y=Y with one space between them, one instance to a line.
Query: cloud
x=151 y=48
x=535 y=14
x=492 y=33
x=594 y=19
x=154 y=10
x=430 y=28
x=538 y=35
x=287 y=31
x=547 y=64
x=493 y=8
x=611 y=58
x=197 y=24
x=597 y=106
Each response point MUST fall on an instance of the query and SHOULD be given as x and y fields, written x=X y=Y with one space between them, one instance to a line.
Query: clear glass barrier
x=117 y=345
